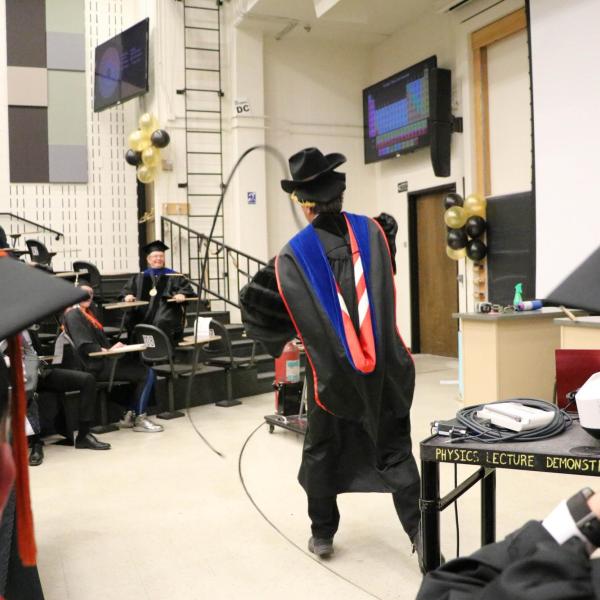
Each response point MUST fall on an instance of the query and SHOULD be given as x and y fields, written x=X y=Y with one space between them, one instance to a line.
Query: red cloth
x=26 y=540
x=573 y=368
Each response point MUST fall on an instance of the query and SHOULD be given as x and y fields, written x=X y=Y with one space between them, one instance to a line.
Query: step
x=264 y=363
x=242 y=347
x=236 y=331
x=218 y=315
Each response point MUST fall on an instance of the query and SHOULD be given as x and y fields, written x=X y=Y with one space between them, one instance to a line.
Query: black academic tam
x=27 y=295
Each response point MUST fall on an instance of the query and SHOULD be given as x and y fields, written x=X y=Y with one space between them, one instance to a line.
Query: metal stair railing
x=15 y=223
x=228 y=270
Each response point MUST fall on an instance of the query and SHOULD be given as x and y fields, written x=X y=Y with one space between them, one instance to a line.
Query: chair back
x=220 y=347
x=158 y=344
x=38 y=252
x=93 y=276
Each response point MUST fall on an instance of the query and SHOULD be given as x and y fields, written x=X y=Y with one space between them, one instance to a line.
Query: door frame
x=413 y=257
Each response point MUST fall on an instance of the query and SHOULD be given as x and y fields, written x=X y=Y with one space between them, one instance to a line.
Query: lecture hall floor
x=162 y=517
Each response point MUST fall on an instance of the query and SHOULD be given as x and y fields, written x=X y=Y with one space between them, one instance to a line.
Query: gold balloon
x=148 y=123
x=475 y=205
x=151 y=157
x=456 y=254
x=146 y=174
x=138 y=140
x=455 y=217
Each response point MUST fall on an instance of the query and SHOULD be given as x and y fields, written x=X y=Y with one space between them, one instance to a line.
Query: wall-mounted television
x=121 y=67
x=396 y=112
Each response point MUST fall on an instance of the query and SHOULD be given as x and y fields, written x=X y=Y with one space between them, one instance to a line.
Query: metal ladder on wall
x=203 y=95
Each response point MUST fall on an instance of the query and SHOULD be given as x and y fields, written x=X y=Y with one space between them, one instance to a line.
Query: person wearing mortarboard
x=333 y=285
x=86 y=334
x=31 y=296
x=156 y=285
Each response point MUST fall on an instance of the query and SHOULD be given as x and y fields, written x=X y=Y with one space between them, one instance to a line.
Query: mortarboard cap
x=155 y=246
x=581 y=289
x=27 y=295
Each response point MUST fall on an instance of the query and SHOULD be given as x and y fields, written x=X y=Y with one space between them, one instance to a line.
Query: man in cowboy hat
x=333 y=286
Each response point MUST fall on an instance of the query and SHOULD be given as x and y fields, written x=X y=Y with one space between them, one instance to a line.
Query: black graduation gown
x=86 y=338
x=167 y=316
x=339 y=455
x=528 y=565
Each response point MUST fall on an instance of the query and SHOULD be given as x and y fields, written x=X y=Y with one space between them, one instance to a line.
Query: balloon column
x=466 y=224
x=144 y=147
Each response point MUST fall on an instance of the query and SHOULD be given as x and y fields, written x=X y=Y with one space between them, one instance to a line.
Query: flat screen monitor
x=121 y=67
x=396 y=112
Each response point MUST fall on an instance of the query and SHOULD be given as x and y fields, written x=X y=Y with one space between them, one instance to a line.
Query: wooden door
x=437 y=284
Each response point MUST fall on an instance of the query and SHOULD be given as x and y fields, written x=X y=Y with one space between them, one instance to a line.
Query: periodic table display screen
x=396 y=112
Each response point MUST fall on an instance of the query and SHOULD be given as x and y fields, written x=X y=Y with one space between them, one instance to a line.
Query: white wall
x=448 y=37
x=313 y=97
x=432 y=34
x=99 y=219
x=509 y=115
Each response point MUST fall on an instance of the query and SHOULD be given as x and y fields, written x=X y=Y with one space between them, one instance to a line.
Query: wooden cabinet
x=509 y=355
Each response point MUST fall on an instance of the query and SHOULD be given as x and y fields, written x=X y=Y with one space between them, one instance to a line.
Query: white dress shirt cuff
x=562 y=527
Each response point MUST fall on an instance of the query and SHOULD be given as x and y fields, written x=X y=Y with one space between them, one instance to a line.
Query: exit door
x=433 y=278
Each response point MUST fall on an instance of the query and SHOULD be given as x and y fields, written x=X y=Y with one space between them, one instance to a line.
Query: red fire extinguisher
x=287 y=370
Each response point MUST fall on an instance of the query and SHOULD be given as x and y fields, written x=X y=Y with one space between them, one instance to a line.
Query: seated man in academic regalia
x=156 y=285
x=547 y=560
x=86 y=333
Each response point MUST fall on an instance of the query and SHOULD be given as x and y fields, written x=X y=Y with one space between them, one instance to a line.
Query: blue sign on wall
x=251 y=197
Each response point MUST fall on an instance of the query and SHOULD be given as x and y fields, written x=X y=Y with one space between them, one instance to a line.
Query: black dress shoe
x=90 y=442
x=36 y=455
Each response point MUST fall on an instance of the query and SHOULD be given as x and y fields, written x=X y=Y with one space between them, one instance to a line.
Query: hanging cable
x=283 y=535
x=201 y=279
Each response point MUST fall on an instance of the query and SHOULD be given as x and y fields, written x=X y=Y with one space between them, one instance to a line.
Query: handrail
x=219 y=282
x=58 y=234
x=202 y=236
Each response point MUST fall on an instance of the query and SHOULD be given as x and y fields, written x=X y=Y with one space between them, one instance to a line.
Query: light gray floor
x=161 y=517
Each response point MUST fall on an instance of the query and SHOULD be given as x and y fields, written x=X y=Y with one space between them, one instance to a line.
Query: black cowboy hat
x=312 y=175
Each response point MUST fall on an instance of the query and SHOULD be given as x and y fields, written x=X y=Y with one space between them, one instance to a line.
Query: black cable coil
x=481 y=431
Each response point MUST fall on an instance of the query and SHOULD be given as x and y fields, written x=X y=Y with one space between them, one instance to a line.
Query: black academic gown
x=528 y=565
x=167 y=316
x=86 y=339
x=339 y=454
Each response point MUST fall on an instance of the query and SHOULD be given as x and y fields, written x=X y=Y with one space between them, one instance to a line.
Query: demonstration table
x=554 y=455
x=509 y=355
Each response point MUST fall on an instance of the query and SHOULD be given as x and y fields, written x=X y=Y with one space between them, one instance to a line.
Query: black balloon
x=452 y=199
x=475 y=226
x=476 y=250
x=160 y=138
x=456 y=238
x=133 y=158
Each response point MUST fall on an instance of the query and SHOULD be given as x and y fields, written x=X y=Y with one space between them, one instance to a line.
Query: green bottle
x=518 y=294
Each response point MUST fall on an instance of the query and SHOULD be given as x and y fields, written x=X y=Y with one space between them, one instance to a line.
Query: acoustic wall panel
x=28 y=143
x=67 y=164
x=58 y=27
x=65 y=16
x=27 y=86
x=67 y=124
x=98 y=217
x=66 y=51
x=26 y=33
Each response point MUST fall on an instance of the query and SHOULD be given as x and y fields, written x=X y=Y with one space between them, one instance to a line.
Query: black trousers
x=69 y=380
x=128 y=368
x=325 y=516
